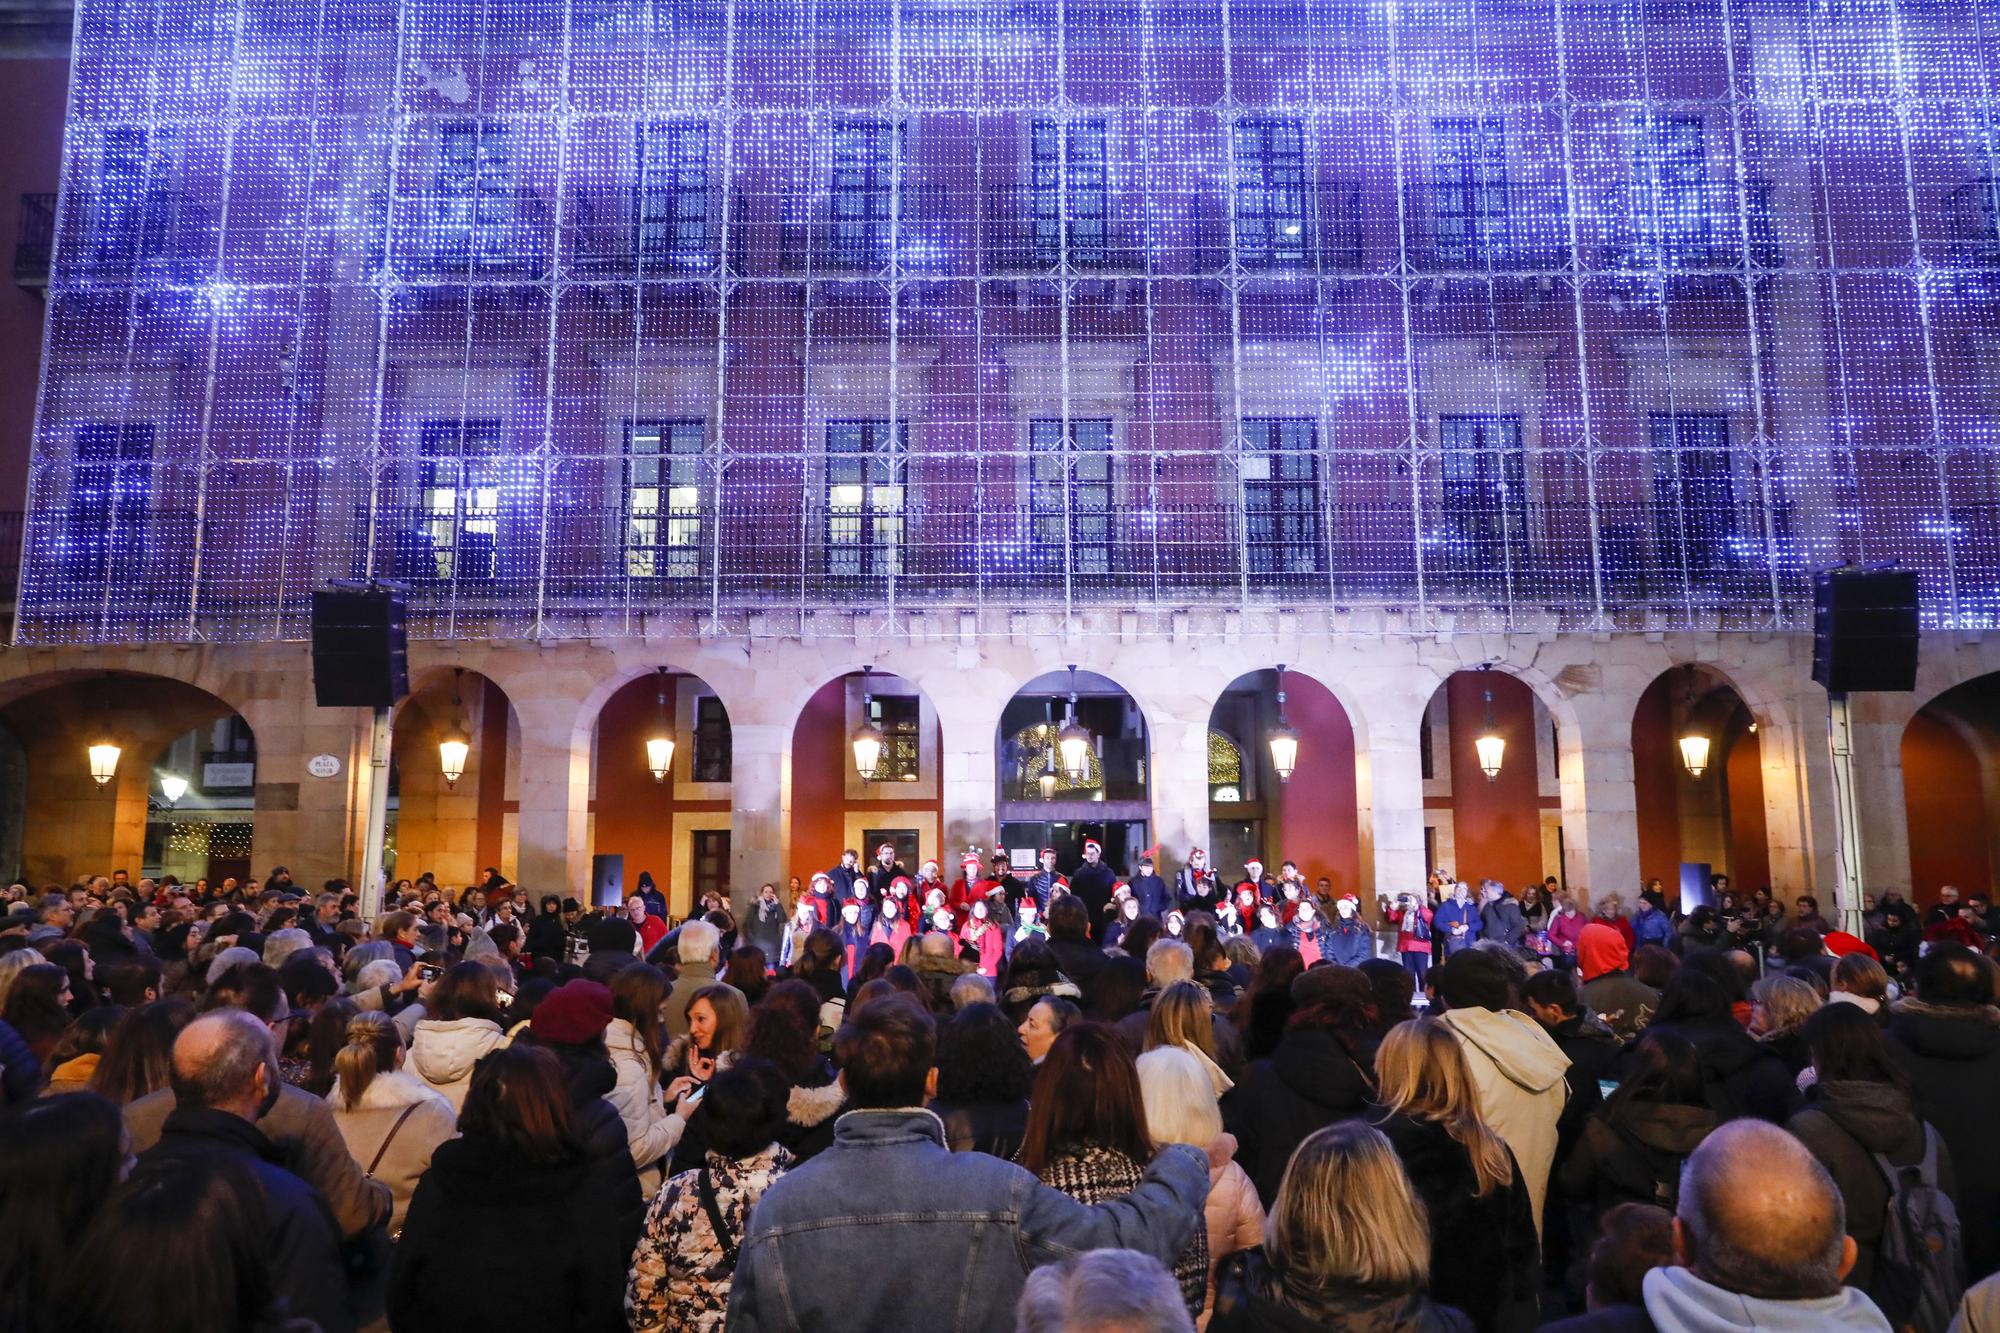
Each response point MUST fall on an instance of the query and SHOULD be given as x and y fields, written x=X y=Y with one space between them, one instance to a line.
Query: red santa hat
x=1120 y=886
x=902 y=881
x=1249 y=861
x=1354 y=898
x=1092 y=845
x=969 y=859
x=890 y=848
x=1048 y=851
x=1197 y=851
x=821 y=877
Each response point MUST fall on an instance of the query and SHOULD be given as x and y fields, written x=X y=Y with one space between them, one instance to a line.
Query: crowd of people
x=1017 y=1099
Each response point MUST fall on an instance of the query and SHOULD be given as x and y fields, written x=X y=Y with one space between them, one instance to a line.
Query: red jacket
x=1405 y=941
x=651 y=931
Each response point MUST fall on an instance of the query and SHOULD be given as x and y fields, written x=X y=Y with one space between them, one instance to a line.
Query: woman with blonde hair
x=1183 y=1016
x=1345 y=1247
x=1180 y=1103
x=1779 y=1008
x=1860 y=980
x=1484 y=1257
x=390 y=1121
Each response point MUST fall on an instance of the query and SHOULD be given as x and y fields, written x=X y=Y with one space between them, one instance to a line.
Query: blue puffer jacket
x=965 y=1230
x=1654 y=927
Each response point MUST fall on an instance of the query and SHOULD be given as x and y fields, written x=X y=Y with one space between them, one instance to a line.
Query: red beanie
x=574 y=1013
x=1599 y=949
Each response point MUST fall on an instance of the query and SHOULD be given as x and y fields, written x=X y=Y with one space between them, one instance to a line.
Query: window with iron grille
x=673 y=195
x=459 y=519
x=866 y=165
x=118 y=210
x=1694 y=491
x=711 y=862
x=1272 y=222
x=1485 y=493
x=474 y=193
x=1082 y=208
x=866 y=465
x=897 y=716
x=110 y=495
x=664 y=498
x=712 y=740
x=1671 y=206
x=1469 y=204
x=1281 y=496
x=1070 y=494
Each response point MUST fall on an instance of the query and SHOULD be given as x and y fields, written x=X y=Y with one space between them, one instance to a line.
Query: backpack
x=1920 y=1274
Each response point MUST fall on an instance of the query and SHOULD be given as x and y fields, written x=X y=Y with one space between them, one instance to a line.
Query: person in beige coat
x=1177 y=1088
x=462 y=1024
x=391 y=1121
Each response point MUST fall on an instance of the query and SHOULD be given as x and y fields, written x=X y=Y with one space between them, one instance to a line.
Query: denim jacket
x=889 y=1230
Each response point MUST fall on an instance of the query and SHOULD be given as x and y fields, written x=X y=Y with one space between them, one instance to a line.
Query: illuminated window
x=673 y=195
x=475 y=195
x=1083 y=207
x=1670 y=190
x=866 y=163
x=897 y=716
x=1225 y=770
x=1694 y=491
x=459 y=523
x=1271 y=212
x=1033 y=750
x=1469 y=190
x=1281 y=496
x=865 y=473
x=110 y=494
x=663 y=499
x=1485 y=495
x=1070 y=493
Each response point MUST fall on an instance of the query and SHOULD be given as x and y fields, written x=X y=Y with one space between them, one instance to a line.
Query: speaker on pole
x=361 y=657
x=1865 y=629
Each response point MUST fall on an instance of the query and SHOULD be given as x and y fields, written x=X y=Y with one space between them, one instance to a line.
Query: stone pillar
x=1177 y=781
x=1389 y=794
x=1876 y=730
x=1798 y=797
x=554 y=823
x=760 y=821
x=1600 y=812
x=315 y=826
x=969 y=720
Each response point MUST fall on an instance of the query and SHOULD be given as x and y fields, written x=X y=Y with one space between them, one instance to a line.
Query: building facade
x=1173 y=338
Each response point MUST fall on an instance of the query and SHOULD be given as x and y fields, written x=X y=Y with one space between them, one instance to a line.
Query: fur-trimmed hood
x=1985 y=1015
x=809 y=1108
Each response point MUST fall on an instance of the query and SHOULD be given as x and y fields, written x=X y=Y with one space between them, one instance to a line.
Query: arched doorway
x=74 y=825
x=900 y=803
x=1490 y=811
x=453 y=813
x=1310 y=818
x=1951 y=789
x=1041 y=802
x=673 y=822
x=1698 y=780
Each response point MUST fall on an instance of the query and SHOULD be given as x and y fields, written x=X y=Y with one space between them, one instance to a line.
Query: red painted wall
x=1497 y=825
x=1316 y=809
x=1655 y=757
x=492 y=742
x=1749 y=844
x=1945 y=801
x=32 y=98
x=820 y=760
x=635 y=815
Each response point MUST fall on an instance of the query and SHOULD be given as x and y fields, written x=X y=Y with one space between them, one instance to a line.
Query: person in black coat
x=984 y=1075
x=1500 y=916
x=517 y=1170
x=1948 y=1040
x=1317 y=1075
x=1739 y=1075
x=570 y=1023
x=1632 y=1149
x=225 y=1074
x=1092 y=882
x=1079 y=958
x=1151 y=891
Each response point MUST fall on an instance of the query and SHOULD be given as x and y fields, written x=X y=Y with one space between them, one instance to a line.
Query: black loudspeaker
x=607 y=880
x=361 y=658
x=1865 y=629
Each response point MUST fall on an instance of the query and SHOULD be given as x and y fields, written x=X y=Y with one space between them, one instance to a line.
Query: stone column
x=554 y=826
x=1876 y=730
x=969 y=720
x=1177 y=781
x=1798 y=797
x=1389 y=793
x=1600 y=812
x=760 y=821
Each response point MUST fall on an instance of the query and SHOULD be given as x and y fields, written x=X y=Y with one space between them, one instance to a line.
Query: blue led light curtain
x=1562 y=313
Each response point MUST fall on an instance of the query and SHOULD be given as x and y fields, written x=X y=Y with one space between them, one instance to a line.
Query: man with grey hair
x=970 y=989
x=224 y=1079
x=1168 y=961
x=1761 y=1240
x=699 y=946
x=1102 y=1291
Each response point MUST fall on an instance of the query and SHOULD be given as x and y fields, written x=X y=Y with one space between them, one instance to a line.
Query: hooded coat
x=651 y=1126
x=1680 y=1302
x=1251 y=1297
x=400 y=1145
x=1632 y=1152
x=1484 y=1259
x=1309 y=1082
x=444 y=1051
x=1845 y=1124
x=1952 y=1053
x=1519 y=1071
x=1739 y=1075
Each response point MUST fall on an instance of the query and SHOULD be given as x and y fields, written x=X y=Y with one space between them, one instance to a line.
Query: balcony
x=34 y=244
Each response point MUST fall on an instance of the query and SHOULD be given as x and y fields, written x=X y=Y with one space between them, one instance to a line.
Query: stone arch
x=453 y=829
x=1315 y=818
x=831 y=807
x=1715 y=819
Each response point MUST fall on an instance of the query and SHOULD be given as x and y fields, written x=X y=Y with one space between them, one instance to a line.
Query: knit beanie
x=574 y=1013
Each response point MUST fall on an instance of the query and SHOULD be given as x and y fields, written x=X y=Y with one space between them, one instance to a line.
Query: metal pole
x=1846 y=819
x=371 y=885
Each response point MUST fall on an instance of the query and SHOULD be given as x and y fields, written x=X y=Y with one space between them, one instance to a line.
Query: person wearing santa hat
x=1029 y=925
x=969 y=887
x=1229 y=921
x=983 y=935
x=1195 y=886
x=1348 y=941
x=929 y=876
x=1043 y=884
x=1262 y=884
x=1001 y=872
x=1092 y=883
x=885 y=870
x=844 y=875
x=853 y=935
x=902 y=902
x=865 y=899
x=891 y=926
x=824 y=899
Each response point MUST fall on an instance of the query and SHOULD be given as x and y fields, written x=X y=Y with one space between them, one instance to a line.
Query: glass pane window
x=1282 y=503
x=1271 y=213
x=865 y=472
x=459 y=504
x=712 y=740
x=664 y=499
x=1671 y=206
x=110 y=494
x=896 y=715
x=474 y=193
x=673 y=195
x=1485 y=495
x=1070 y=494
x=1068 y=192
x=1694 y=491
x=1469 y=189
x=866 y=163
